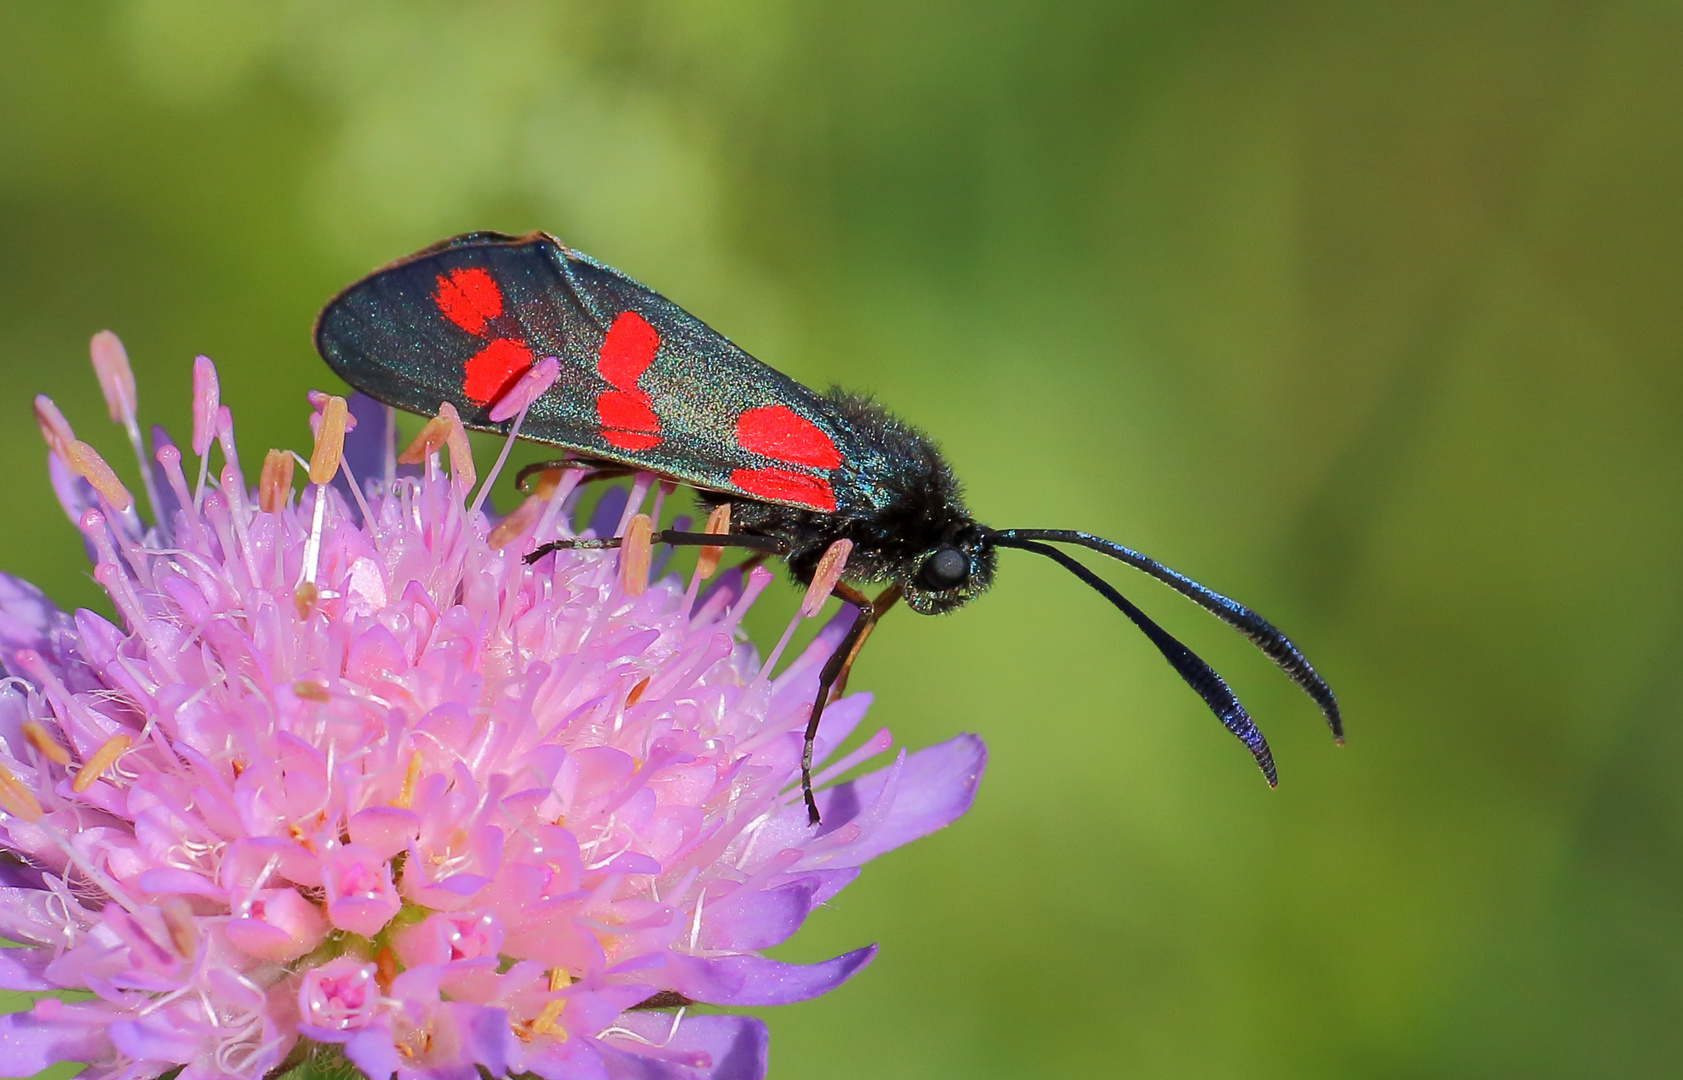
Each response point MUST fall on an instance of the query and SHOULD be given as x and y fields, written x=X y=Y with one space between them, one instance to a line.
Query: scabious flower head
x=347 y=771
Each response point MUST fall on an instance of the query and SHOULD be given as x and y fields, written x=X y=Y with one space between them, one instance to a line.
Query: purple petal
x=754 y=980
x=574 y=1059
x=29 y=1044
x=365 y=444
x=21 y=969
x=609 y=509
x=28 y=620
x=485 y=1035
x=371 y=1051
x=75 y=495
x=756 y=918
x=935 y=786
x=17 y=875
x=732 y=1047
x=34 y=915
x=156 y=1039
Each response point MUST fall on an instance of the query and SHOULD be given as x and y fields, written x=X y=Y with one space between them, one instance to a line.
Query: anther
x=16 y=799
x=636 y=693
x=431 y=437
x=48 y=747
x=304 y=599
x=634 y=555
x=824 y=578
x=116 y=378
x=527 y=389
x=102 y=759
x=330 y=442
x=718 y=523
x=461 y=454
x=385 y=968
x=411 y=776
x=116 y=382
x=545 y=483
x=54 y=427
x=311 y=691
x=178 y=919
x=85 y=462
x=207 y=397
x=225 y=437
x=515 y=523
x=274 y=484
x=546 y=1022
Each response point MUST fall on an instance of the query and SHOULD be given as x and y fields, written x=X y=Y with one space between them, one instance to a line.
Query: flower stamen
x=825 y=577
x=16 y=799
x=274 y=484
x=411 y=776
x=324 y=465
x=707 y=558
x=456 y=441
x=426 y=442
x=48 y=747
x=527 y=389
x=635 y=555
x=55 y=429
x=85 y=462
x=207 y=394
x=102 y=759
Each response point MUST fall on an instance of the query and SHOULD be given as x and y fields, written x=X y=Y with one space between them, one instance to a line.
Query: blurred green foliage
x=1366 y=314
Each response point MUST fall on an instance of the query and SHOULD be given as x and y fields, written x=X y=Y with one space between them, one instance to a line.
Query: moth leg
x=599 y=470
x=879 y=607
x=836 y=670
x=765 y=545
x=768 y=545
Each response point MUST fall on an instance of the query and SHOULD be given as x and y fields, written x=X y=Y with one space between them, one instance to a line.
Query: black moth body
x=645 y=386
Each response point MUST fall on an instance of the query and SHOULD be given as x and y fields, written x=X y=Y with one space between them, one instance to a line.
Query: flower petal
x=28 y=620
x=936 y=785
x=365 y=441
x=29 y=1043
x=21 y=969
x=700 y=1048
x=754 y=980
x=752 y=918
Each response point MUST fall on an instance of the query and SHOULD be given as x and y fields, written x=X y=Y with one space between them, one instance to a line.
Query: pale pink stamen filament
x=207 y=394
x=324 y=464
x=116 y=382
x=826 y=577
x=515 y=403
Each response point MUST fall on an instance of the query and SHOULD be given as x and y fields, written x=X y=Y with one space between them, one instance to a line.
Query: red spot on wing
x=627 y=351
x=627 y=410
x=785 y=485
x=468 y=297
x=626 y=413
x=781 y=433
x=630 y=440
x=493 y=368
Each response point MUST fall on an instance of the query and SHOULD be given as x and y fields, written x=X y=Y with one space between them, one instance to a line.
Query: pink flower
x=349 y=771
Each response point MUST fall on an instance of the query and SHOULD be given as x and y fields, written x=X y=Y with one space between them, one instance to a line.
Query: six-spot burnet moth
x=643 y=386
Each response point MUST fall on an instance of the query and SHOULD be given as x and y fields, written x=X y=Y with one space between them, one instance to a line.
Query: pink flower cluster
x=349 y=771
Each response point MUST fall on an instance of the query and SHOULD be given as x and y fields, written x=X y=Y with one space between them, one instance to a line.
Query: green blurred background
x=1366 y=314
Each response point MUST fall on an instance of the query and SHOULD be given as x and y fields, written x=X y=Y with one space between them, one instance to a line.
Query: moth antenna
x=1273 y=644
x=1198 y=675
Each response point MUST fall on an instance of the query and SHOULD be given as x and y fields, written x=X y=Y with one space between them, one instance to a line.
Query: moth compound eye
x=948 y=568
